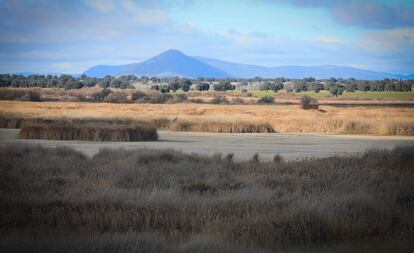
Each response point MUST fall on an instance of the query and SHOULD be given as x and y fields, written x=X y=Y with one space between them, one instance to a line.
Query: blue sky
x=71 y=36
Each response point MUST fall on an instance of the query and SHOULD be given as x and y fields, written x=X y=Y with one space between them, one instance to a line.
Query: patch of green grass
x=379 y=95
x=322 y=93
x=262 y=93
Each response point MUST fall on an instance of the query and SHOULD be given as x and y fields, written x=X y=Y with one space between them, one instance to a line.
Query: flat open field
x=357 y=95
x=243 y=146
x=283 y=118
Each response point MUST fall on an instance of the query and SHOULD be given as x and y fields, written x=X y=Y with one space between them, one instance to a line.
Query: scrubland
x=224 y=118
x=94 y=94
x=59 y=200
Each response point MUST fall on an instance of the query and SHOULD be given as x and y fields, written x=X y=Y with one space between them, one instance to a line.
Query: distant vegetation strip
x=87 y=130
x=97 y=95
x=171 y=84
x=55 y=199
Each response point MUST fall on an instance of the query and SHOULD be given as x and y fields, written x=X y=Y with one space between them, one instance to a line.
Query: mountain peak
x=169 y=63
x=172 y=52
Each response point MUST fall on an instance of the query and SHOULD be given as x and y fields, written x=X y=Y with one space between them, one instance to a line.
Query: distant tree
x=115 y=83
x=309 y=79
x=336 y=90
x=185 y=84
x=273 y=86
x=317 y=86
x=202 y=86
x=224 y=86
x=300 y=86
x=105 y=82
x=101 y=95
x=350 y=87
x=164 y=88
x=173 y=85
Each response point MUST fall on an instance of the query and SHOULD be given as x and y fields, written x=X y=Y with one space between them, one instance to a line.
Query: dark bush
x=202 y=86
x=33 y=96
x=255 y=158
x=265 y=100
x=307 y=102
x=277 y=159
x=100 y=95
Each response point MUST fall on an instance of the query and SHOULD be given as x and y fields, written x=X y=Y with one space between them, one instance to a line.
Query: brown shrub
x=307 y=102
x=117 y=97
x=88 y=130
x=23 y=95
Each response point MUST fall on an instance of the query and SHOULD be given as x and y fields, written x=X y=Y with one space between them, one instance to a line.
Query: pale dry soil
x=244 y=146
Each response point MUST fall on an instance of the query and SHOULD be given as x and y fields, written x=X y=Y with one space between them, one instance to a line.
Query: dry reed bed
x=167 y=201
x=222 y=127
x=57 y=132
x=88 y=130
x=283 y=119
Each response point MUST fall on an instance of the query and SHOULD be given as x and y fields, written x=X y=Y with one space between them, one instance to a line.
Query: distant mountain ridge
x=169 y=63
x=175 y=63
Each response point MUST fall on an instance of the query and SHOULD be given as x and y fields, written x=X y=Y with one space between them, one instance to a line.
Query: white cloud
x=393 y=40
x=328 y=39
x=103 y=6
x=248 y=38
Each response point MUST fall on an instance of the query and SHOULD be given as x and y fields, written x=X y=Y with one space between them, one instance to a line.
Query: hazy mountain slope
x=249 y=71
x=168 y=63
x=103 y=70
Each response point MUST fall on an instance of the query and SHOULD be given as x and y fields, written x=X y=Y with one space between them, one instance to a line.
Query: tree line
x=333 y=85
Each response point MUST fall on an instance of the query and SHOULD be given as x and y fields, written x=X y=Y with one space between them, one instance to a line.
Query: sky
x=45 y=36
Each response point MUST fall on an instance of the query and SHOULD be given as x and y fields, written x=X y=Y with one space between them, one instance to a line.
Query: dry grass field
x=59 y=200
x=227 y=118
